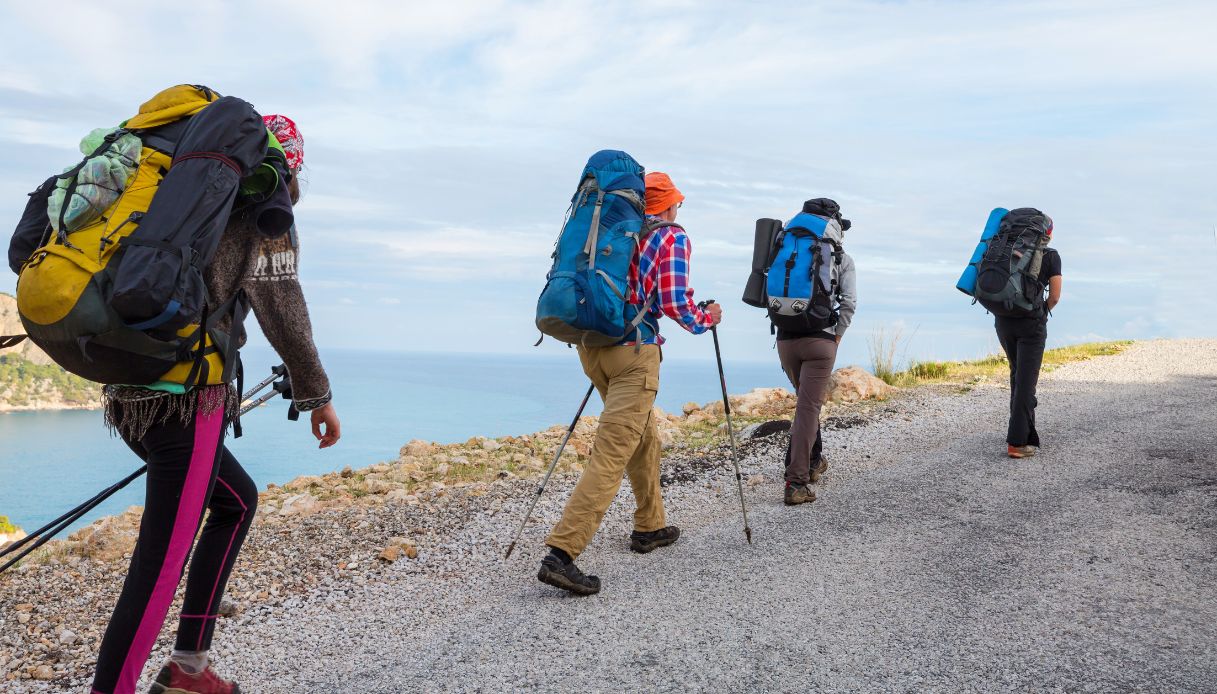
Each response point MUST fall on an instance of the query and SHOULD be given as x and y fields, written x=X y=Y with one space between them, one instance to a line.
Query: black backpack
x=1008 y=278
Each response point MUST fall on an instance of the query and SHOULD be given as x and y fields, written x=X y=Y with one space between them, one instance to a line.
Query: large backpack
x=1008 y=276
x=586 y=296
x=801 y=288
x=112 y=288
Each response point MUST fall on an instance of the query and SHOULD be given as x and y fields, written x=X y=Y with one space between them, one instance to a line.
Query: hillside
x=29 y=380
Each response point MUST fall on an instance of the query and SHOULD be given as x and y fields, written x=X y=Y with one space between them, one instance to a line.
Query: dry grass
x=994 y=366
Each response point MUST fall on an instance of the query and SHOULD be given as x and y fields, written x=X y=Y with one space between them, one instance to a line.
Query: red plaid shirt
x=663 y=263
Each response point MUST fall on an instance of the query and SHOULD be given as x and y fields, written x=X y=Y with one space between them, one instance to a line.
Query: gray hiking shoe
x=818 y=469
x=799 y=494
x=645 y=542
x=567 y=576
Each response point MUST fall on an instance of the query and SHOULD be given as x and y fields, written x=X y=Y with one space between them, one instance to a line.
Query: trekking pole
x=570 y=430
x=722 y=379
x=50 y=530
x=99 y=497
x=44 y=534
x=283 y=388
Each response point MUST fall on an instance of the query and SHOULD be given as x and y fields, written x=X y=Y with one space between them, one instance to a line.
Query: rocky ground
x=929 y=562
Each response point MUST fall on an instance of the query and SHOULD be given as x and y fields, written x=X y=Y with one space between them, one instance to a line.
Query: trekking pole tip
x=510 y=547
x=748 y=534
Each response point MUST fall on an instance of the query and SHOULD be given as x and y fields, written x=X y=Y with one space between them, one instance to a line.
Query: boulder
x=852 y=384
x=418 y=448
x=299 y=505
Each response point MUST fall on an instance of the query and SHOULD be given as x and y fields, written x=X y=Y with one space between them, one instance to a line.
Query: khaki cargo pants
x=627 y=442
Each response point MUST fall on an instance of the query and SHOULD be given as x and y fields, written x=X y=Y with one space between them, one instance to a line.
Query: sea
x=52 y=461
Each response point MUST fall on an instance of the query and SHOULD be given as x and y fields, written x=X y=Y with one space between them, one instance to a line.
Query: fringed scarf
x=130 y=411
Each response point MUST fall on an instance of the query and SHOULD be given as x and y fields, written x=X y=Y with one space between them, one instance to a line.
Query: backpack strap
x=593 y=232
x=649 y=227
x=7 y=341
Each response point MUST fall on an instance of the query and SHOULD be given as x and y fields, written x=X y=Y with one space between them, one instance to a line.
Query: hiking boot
x=567 y=576
x=818 y=470
x=799 y=494
x=645 y=542
x=1020 y=451
x=172 y=679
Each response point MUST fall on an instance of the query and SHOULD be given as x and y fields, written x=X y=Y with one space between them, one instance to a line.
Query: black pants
x=1023 y=340
x=189 y=472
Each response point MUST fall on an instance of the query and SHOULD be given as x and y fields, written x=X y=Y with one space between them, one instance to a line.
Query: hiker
x=807 y=343
x=178 y=164
x=1022 y=338
x=626 y=375
x=180 y=436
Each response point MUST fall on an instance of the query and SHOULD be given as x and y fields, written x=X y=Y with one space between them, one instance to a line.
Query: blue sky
x=443 y=141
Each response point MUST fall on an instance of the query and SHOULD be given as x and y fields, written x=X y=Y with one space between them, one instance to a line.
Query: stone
x=304 y=482
x=23 y=617
x=852 y=384
x=228 y=607
x=43 y=672
x=491 y=445
x=396 y=548
x=299 y=505
x=417 y=447
x=765 y=429
x=68 y=637
x=398 y=496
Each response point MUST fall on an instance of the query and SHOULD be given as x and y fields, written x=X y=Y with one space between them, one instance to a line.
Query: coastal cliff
x=29 y=380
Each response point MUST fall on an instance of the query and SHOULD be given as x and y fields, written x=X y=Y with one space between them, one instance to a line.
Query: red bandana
x=285 y=131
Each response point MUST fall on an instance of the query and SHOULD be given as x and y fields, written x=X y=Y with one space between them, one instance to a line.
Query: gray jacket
x=847 y=280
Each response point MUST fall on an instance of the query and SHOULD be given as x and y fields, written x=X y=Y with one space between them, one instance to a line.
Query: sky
x=443 y=142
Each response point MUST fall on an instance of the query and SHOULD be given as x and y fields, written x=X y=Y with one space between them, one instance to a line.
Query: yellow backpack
x=121 y=299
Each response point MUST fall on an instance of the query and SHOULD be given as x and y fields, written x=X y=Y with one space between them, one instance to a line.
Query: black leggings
x=189 y=472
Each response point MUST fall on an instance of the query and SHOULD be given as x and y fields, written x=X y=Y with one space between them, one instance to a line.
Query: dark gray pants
x=808 y=363
x=1023 y=340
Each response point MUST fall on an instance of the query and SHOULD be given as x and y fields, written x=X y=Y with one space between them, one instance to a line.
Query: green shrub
x=26 y=382
x=6 y=526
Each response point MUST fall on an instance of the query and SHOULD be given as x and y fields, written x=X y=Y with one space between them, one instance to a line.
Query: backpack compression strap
x=7 y=341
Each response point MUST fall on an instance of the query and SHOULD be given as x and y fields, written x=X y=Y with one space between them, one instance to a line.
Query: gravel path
x=930 y=562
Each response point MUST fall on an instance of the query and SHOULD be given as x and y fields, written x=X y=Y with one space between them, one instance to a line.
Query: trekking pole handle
x=275 y=373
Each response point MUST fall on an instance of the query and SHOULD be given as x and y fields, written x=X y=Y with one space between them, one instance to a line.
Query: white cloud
x=444 y=138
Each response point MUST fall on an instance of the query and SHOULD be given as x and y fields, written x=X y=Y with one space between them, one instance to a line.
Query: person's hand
x=715 y=312
x=328 y=416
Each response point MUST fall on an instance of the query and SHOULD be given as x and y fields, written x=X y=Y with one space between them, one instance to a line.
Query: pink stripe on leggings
x=236 y=529
x=207 y=432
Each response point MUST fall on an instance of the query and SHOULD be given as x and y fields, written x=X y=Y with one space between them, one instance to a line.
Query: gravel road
x=930 y=562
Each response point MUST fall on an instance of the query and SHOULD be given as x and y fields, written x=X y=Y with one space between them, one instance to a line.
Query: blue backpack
x=802 y=292
x=585 y=299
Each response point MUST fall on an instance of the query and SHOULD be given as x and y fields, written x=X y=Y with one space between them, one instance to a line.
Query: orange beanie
x=661 y=193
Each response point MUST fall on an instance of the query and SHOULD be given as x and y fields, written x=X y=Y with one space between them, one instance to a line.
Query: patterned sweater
x=266 y=269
